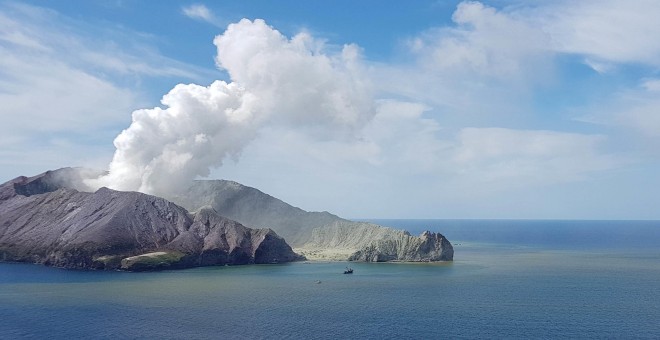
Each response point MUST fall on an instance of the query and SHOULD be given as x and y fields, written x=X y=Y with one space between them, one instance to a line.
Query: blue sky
x=429 y=109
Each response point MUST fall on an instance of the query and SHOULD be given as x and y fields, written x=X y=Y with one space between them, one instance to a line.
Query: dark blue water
x=510 y=279
x=555 y=234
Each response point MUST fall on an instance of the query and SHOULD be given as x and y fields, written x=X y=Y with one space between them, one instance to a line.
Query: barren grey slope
x=254 y=208
x=318 y=234
x=74 y=229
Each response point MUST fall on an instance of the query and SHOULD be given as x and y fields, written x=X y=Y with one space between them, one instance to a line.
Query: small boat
x=348 y=271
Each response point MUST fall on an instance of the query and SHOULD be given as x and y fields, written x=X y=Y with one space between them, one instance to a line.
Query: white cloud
x=528 y=157
x=639 y=109
x=275 y=81
x=299 y=103
x=484 y=41
x=297 y=80
x=63 y=91
x=651 y=85
x=600 y=67
x=502 y=42
x=633 y=114
x=200 y=12
x=405 y=163
x=43 y=93
x=482 y=69
x=490 y=62
x=34 y=31
x=295 y=103
x=606 y=31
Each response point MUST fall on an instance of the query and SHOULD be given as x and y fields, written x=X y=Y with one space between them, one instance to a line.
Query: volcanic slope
x=316 y=235
x=43 y=220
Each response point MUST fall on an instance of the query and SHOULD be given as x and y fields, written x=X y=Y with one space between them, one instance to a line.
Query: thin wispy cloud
x=62 y=89
x=202 y=13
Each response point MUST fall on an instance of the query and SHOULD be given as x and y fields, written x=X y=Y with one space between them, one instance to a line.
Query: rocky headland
x=316 y=235
x=44 y=220
x=53 y=219
x=368 y=242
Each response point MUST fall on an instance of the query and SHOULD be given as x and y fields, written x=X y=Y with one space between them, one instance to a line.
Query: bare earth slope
x=254 y=208
x=316 y=235
x=42 y=222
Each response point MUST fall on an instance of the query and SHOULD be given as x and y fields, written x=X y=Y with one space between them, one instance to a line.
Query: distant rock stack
x=424 y=248
x=361 y=241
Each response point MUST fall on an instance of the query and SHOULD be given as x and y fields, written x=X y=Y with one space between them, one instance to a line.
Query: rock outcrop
x=42 y=221
x=424 y=248
x=368 y=242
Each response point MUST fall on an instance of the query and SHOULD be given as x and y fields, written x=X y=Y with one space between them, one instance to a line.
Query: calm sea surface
x=510 y=279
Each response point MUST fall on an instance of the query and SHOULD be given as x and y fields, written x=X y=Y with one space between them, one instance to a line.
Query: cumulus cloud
x=299 y=101
x=413 y=135
x=485 y=67
x=503 y=42
x=503 y=55
x=275 y=80
x=296 y=80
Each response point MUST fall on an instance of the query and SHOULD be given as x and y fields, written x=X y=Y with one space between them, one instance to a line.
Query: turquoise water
x=547 y=279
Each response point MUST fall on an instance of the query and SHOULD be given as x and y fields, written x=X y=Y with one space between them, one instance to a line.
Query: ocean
x=509 y=279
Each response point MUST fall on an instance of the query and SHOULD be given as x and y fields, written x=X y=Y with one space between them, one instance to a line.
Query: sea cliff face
x=41 y=222
x=316 y=235
x=426 y=247
x=368 y=242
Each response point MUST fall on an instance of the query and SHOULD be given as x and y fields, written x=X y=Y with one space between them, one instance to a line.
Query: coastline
x=318 y=255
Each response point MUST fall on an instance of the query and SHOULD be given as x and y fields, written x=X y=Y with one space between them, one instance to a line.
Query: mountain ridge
x=64 y=227
x=205 y=224
x=303 y=230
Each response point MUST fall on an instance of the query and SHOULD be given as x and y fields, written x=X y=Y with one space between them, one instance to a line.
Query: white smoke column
x=275 y=80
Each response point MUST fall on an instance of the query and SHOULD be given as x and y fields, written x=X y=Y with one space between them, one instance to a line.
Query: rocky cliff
x=426 y=247
x=359 y=241
x=43 y=221
x=317 y=235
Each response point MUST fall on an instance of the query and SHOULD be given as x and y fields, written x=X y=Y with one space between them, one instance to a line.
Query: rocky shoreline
x=107 y=229
x=52 y=220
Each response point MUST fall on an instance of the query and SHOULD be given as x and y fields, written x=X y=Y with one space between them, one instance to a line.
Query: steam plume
x=274 y=80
